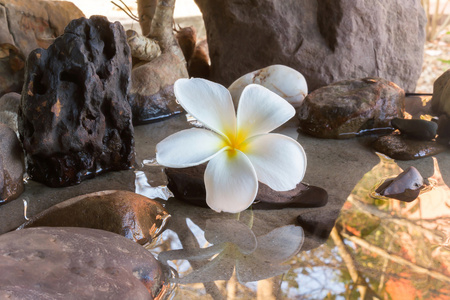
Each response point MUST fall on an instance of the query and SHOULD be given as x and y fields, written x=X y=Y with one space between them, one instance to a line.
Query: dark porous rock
x=347 y=108
x=325 y=40
x=11 y=165
x=405 y=187
x=440 y=102
x=74 y=116
x=416 y=128
x=24 y=26
x=402 y=148
x=187 y=184
x=76 y=263
x=136 y=217
x=9 y=106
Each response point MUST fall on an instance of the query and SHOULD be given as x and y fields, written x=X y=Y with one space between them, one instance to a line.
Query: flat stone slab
x=187 y=184
x=402 y=148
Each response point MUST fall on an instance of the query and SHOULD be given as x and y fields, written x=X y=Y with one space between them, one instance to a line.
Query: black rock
x=74 y=117
x=187 y=184
x=415 y=128
x=402 y=148
x=11 y=165
x=405 y=187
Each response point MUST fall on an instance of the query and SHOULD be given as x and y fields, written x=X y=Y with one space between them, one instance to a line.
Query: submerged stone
x=402 y=148
x=187 y=184
x=416 y=128
x=318 y=229
x=405 y=187
x=136 y=217
x=74 y=116
x=76 y=263
x=11 y=165
x=347 y=108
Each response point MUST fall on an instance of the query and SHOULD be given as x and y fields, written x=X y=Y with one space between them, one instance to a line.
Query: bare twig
x=126 y=10
x=397 y=259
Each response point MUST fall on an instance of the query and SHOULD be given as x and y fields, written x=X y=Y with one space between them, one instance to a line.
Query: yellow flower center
x=237 y=141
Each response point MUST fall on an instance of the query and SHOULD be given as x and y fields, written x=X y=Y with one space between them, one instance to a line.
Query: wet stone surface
x=416 y=128
x=11 y=165
x=74 y=117
x=405 y=187
x=187 y=184
x=402 y=148
x=346 y=108
x=136 y=217
x=76 y=263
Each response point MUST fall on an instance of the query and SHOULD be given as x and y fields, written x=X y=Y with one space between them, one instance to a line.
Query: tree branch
x=398 y=259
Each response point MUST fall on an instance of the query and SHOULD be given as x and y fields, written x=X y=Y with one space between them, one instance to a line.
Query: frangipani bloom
x=239 y=148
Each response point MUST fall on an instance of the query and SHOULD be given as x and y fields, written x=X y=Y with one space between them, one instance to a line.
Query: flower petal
x=209 y=102
x=279 y=161
x=261 y=111
x=230 y=181
x=188 y=148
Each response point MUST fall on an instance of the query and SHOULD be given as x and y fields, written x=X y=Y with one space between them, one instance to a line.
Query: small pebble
x=416 y=128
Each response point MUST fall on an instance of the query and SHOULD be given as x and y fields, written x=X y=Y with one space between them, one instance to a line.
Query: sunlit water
x=377 y=246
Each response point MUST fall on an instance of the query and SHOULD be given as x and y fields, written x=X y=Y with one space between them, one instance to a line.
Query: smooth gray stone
x=76 y=263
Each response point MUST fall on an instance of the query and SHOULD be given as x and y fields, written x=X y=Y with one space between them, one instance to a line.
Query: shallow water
x=378 y=246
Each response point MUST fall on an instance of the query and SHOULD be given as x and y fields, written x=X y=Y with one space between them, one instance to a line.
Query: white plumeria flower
x=240 y=149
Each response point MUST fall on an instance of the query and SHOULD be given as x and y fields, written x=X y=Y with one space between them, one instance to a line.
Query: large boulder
x=326 y=40
x=11 y=165
x=346 y=108
x=24 y=26
x=74 y=116
x=76 y=263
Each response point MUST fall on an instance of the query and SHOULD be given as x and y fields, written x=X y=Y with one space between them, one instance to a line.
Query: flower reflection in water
x=234 y=247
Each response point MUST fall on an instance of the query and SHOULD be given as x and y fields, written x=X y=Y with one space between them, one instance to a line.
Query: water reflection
x=248 y=253
x=233 y=247
x=383 y=248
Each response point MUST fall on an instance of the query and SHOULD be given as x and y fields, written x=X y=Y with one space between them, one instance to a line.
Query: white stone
x=282 y=80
